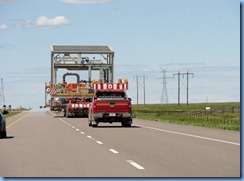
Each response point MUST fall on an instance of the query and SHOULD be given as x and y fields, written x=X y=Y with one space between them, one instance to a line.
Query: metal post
x=144 y=88
x=89 y=75
x=187 y=78
x=137 y=90
x=178 y=88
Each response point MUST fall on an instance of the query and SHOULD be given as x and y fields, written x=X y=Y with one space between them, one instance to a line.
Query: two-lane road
x=40 y=144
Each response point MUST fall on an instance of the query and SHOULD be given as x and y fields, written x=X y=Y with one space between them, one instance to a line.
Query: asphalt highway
x=46 y=144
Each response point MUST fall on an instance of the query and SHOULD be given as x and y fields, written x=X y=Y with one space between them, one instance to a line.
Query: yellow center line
x=17 y=120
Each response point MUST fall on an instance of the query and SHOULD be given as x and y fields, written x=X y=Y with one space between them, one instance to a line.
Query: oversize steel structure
x=79 y=58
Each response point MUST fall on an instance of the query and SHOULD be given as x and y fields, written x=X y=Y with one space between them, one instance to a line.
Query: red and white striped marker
x=52 y=91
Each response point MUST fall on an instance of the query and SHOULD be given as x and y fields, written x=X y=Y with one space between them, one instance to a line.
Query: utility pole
x=187 y=92
x=137 y=88
x=144 y=88
x=187 y=86
x=178 y=86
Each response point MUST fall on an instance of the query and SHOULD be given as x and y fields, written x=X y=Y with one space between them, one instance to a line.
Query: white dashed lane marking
x=139 y=167
x=99 y=142
x=136 y=165
x=113 y=151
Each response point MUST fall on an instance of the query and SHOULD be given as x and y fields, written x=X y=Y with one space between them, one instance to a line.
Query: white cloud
x=3 y=27
x=85 y=1
x=44 y=21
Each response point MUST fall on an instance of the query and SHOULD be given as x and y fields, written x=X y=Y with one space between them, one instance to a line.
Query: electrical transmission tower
x=2 y=99
x=187 y=87
x=164 y=95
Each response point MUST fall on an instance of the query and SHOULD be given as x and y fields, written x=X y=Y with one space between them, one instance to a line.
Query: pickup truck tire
x=127 y=123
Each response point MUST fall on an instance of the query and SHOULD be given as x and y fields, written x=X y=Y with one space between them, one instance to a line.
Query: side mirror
x=130 y=99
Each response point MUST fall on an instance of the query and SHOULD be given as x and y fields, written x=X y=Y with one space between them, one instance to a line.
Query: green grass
x=14 y=111
x=221 y=115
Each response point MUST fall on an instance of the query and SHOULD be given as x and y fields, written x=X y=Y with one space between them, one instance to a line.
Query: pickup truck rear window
x=110 y=95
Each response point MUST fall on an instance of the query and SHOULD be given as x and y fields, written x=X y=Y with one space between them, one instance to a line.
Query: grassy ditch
x=217 y=115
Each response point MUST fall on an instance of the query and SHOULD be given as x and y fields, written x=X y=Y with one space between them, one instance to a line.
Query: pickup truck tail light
x=94 y=105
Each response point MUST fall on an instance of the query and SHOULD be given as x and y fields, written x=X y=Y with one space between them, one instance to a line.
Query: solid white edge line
x=113 y=151
x=135 y=164
x=189 y=135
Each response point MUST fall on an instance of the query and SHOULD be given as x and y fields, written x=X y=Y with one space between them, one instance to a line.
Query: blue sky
x=202 y=36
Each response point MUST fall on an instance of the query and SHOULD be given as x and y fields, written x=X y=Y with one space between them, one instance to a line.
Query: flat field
x=14 y=111
x=213 y=115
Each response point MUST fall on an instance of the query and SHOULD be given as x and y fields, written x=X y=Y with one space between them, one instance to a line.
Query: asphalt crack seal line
x=17 y=120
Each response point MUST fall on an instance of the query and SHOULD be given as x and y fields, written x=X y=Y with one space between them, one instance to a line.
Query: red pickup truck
x=110 y=106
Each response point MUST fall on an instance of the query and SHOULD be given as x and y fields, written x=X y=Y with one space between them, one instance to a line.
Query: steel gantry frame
x=70 y=57
x=78 y=58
